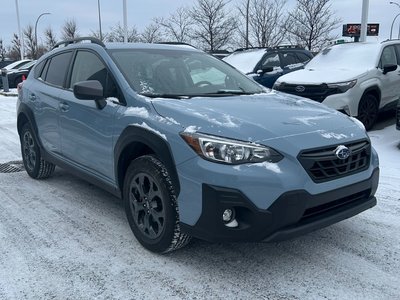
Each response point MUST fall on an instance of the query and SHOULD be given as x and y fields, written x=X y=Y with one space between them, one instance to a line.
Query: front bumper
x=294 y=213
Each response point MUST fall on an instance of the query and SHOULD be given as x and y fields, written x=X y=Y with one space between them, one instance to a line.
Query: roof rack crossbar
x=80 y=39
x=175 y=43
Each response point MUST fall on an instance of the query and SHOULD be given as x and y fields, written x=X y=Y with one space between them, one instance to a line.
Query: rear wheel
x=34 y=164
x=368 y=109
x=151 y=206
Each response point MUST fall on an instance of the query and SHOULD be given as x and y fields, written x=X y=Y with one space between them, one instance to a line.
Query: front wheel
x=368 y=109
x=151 y=206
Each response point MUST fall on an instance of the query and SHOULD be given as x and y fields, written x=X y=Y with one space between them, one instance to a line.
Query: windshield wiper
x=172 y=96
x=223 y=92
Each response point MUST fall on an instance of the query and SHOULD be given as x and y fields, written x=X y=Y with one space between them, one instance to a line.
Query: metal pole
x=101 y=34
x=247 y=23
x=391 y=27
x=364 y=21
x=37 y=20
x=125 y=23
x=21 y=39
x=398 y=5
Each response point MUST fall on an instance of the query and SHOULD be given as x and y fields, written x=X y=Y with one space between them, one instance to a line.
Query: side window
x=303 y=57
x=58 y=69
x=39 y=68
x=388 y=57
x=271 y=60
x=289 y=58
x=88 y=66
x=43 y=74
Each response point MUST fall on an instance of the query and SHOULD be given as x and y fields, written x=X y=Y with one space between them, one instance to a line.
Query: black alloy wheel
x=35 y=165
x=151 y=205
x=368 y=109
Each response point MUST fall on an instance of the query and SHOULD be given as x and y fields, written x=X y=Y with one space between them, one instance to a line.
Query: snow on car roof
x=346 y=56
x=245 y=61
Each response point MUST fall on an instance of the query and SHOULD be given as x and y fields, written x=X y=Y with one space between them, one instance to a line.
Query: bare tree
x=178 y=26
x=30 y=42
x=69 y=30
x=117 y=34
x=151 y=34
x=14 y=52
x=267 y=24
x=214 y=26
x=51 y=39
x=96 y=34
x=2 y=50
x=311 y=23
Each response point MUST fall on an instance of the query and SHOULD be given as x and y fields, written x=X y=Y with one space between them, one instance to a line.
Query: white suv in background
x=356 y=78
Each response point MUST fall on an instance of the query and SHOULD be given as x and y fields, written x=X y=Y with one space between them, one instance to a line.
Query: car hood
x=260 y=118
x=313 y=76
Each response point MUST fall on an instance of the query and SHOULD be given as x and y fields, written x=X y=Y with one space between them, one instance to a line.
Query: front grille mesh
x=314 y=92
x=323 y=165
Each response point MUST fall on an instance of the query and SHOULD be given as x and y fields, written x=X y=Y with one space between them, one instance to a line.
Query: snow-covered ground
x=63 y=238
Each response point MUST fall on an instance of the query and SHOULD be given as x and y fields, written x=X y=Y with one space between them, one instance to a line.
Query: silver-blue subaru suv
x=192 y=146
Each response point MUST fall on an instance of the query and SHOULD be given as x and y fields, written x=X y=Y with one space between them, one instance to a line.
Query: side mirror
x=90 y=90
x=389 y=68
x=265 y=70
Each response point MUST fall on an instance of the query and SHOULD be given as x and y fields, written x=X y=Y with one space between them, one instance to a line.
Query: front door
x=86 y=130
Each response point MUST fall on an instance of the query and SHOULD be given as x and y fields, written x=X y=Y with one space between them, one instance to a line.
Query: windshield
x=346 y=56
x=27 y=65
x=180 y=73
x=16 y=64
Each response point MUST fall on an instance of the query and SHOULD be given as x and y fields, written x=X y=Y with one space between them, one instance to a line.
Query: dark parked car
x=6 y=62
x=266 y=65
x=16 y=76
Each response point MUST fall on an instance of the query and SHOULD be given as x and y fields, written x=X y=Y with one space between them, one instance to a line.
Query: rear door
x=86 y=130
x=44 y=98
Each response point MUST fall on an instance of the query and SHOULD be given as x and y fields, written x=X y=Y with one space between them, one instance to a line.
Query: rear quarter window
x=58 y=68
x=38 y=69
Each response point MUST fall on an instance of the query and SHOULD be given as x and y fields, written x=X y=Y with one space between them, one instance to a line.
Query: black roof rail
x=80 y=39
x=175 y=43
x=271 y=48
x=287 y=47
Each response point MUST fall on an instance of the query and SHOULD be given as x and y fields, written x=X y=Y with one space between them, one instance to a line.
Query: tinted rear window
x=58 y=68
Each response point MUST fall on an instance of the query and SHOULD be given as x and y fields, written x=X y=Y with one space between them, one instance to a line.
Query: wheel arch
x=136 y=141
x=25 y=115
x=375 y=91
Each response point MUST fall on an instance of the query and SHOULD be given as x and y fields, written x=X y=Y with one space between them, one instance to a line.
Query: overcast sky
x=140 y=13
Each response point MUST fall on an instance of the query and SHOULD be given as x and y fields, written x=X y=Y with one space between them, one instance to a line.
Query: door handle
x=32 y=97
x=64 y=107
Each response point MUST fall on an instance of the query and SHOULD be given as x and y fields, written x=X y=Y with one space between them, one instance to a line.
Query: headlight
x=343 y=86
x=229 y=151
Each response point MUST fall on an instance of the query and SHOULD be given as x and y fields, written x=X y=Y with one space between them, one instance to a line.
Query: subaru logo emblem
x=300 y=88
x=342 y=152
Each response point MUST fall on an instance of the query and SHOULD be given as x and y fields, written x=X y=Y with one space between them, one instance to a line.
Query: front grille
x=324 y=208
x=314 y=92
x=323 y=164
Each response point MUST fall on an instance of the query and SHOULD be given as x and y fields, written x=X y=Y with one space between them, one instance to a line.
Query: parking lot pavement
x=64 y=238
